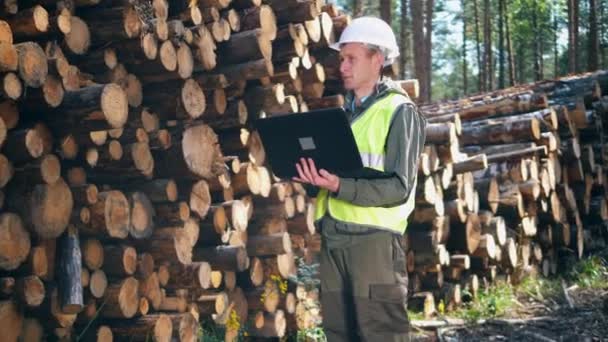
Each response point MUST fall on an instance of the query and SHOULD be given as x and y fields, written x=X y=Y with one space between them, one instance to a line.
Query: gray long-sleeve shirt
x=404 y=144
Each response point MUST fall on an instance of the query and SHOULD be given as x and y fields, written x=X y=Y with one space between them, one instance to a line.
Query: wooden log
x=488 y=193
x=47 y=208
x=493 y=225
x=33 y=67
x=45 y=169
x=440 y=133
x=16 y=241
x=247 y=71
x=92 y=253
x=11 y=320
x=225 y=258
x=269 y=245
x=259 y=17
x=7 y=287
x=505 y=132
x=122 y=299
x=99 y=106
x=150 y=288
x=197 y=156
x=159 y=326
x=111 y=215
x=119 y=260
x=30 y=291
x=269 y=325
x=172 y=244
x=465 y=237
x=245 y=46
x=98 y=284
x=194 y=276
x=475 y=163
x=11 y=88
x=24 y=145
x=171 y=213
x=142 y=216
x=70 y=270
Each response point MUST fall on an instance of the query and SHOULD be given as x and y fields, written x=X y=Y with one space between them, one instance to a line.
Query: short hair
x=377 y=49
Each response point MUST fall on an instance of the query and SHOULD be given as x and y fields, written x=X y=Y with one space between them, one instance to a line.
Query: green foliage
x=211 y=332
x=493 y=302
x=591 y=273
x=502 y=299
x=539 y=289
x=311 y=335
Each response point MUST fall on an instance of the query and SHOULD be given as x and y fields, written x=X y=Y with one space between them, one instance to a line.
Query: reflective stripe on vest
x=370 y=132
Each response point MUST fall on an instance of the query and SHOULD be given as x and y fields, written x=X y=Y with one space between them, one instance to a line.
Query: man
x=361 y=220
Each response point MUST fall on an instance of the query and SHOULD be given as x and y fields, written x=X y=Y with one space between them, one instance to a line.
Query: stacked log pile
x=135 y=198
x=511 y=183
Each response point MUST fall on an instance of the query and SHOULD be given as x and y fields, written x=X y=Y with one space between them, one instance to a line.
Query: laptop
x=323 y=135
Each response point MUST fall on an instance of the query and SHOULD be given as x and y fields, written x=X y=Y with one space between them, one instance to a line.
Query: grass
x=493 y=302
x=502 y=299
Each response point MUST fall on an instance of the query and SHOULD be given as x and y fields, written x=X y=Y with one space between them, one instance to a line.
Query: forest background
x=461 y=47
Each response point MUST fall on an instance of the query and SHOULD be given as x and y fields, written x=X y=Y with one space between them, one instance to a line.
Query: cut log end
x=78 y=40
x=15 y=241
x=115 y=105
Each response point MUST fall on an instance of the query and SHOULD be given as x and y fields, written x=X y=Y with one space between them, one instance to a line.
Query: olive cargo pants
x=364 y=291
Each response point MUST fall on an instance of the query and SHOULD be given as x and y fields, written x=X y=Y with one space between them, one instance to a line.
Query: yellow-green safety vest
x=370 y=132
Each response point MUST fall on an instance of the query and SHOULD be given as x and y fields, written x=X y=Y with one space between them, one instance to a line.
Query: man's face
x=358 y=65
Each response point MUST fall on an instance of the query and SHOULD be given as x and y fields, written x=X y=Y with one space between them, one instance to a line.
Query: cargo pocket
x=399 y=263
x=387 y=308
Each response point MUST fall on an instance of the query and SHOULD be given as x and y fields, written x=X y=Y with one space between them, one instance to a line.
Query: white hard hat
x=374 y=31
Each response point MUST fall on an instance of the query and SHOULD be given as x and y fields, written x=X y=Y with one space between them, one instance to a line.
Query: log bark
x=225 y=258
x=24 y=145
x=245 y=46
x=95 y=107
x=159 y=326
x=465 y=237
x=506 y=132
x=119 y=260
x=70 y=271
x=259 y=17
x=194 y=276
x=269 y=245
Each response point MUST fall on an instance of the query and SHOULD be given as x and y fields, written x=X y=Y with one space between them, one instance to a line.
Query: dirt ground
x=547 y=320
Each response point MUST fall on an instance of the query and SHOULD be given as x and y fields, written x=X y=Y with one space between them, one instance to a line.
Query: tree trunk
x=357 y=6
x=385 y=11
x=418 y=41
x=572 y=35
x=487 y=50
x=501 y=44
x=428 y=17
x=480 y=65
x=555 y=45
x=465 y=83
x=536 y=52
x=593 y=39
x=404 y=39
x=511 y=55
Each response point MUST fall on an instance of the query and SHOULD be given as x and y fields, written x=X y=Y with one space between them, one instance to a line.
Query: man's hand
x=307 y=172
